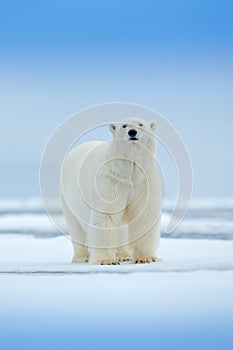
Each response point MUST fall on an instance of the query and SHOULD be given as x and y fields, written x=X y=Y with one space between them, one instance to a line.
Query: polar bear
x=111 y=196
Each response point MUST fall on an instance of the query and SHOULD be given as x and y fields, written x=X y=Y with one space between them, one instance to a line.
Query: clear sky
x=57 y=57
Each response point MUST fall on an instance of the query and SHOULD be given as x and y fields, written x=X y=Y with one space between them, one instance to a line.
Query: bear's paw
x=146 y=259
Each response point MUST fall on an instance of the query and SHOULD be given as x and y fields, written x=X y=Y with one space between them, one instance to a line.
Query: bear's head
x=135 y=130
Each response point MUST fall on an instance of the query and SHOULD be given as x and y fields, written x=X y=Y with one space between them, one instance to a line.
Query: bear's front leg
x=104 y=237
x=124 y=254
x=144 y=244
x=103 y=257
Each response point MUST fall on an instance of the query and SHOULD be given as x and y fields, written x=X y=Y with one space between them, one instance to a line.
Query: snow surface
x=204 y=219
x=183 y=302
x=48 y=303
x=22 y=254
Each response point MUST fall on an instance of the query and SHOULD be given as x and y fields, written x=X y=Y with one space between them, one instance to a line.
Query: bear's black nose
x=132 y=132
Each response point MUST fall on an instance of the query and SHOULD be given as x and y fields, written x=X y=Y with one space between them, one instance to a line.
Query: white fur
x=111 y=196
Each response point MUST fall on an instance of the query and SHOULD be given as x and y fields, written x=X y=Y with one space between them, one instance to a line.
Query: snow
x=25 y=254
x=182 y=302
x=48 y=303
x=39 y=225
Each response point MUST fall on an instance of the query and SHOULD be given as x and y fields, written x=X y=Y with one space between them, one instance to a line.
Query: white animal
x=111 y=196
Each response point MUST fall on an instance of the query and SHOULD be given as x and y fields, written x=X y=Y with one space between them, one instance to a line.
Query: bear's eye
x=140 y=124
x=124 y=125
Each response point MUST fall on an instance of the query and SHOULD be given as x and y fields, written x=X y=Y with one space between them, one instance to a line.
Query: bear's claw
x=147 y=260
x=110 y=263
x=124 y=259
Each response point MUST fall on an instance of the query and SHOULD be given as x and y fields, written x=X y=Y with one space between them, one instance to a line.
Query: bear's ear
x=153 y=125
x=112 y=128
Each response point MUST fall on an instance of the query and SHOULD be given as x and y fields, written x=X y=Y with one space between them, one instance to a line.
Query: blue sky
x=57 y=57
x=75 y=25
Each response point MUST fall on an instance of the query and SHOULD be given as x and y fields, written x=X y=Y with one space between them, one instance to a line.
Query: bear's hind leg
x=81 y=254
